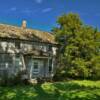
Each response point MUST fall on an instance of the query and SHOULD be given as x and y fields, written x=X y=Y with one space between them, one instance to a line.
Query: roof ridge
x=17 y=31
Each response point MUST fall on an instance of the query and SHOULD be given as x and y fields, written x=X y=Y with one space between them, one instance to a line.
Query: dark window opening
x=36 y=68
x=49 y=48
x=35 y=65
x=50 y=65
x=17 y=45
x=6 y=60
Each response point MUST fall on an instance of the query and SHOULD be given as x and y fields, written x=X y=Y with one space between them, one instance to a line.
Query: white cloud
x=47 y=10
x=10 y=10
x=27 y=11
x=39 y=1
x=13 y=9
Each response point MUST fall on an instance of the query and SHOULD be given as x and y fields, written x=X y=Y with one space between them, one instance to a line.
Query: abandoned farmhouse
x=26 y=50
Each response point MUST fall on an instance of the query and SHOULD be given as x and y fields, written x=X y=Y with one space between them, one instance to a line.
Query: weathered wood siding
x=12 y=54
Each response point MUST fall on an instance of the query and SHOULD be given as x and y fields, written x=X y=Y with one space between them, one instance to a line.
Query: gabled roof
x=8 y=31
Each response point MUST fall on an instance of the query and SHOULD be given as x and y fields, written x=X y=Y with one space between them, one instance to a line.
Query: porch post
x=23 y=63
x=13 y=65
x=48 y=65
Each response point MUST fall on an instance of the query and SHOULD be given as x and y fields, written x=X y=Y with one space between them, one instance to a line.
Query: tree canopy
x=79 y=50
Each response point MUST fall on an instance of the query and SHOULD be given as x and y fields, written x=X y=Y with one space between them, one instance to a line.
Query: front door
x=37 y=65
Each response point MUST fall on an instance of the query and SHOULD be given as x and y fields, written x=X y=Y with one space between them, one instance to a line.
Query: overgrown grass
x=72 y=90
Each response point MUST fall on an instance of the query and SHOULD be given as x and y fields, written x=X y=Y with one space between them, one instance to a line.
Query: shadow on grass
x=50 y=91
x=74 y=91
x=43 y=94
x=31 y=92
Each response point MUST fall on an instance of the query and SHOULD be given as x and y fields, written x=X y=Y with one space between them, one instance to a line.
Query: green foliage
x=70 y=90
x=80 y=48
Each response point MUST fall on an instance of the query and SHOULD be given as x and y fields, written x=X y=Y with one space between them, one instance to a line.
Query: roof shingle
x=9 y=31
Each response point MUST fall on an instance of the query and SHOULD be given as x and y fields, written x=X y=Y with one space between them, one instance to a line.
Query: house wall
x=12 y=47
x=10 y=64
x=11 y=57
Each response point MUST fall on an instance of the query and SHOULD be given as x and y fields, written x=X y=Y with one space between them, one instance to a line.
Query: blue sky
x=42 y=14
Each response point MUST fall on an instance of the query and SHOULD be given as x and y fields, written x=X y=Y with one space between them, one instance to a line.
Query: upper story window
x=49 y=48
x=17 y=45
x=50 y=65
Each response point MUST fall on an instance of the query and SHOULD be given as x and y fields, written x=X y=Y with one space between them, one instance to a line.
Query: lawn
x=71 y=90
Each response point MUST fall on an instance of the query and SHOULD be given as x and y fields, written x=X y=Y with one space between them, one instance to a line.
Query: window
x=5 y=60
x=35 y=67
x=17 y=45
x=49 y=48
x=50 y=65
x=18 y=61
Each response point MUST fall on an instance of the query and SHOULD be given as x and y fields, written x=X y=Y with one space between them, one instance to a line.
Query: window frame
x=35 y=70
x=17 y=45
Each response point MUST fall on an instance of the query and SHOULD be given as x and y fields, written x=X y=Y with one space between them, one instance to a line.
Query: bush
x=15 y=80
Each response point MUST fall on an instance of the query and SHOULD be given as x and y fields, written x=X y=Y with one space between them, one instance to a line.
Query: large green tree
x=79 y=50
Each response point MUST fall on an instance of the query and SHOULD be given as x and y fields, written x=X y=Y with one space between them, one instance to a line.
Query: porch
x=35 y=66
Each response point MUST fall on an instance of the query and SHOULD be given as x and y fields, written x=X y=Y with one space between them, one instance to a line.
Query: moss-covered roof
x=8 y=31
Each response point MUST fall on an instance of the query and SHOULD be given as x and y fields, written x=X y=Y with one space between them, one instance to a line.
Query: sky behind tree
x=42 y=14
